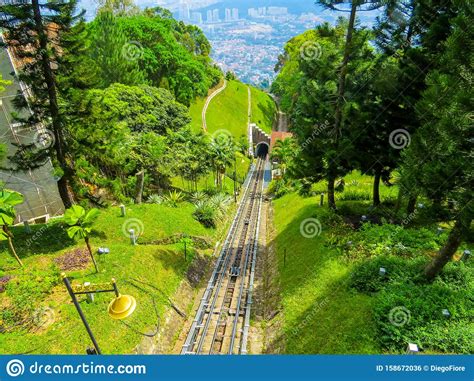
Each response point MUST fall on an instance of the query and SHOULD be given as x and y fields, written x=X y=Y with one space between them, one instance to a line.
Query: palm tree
x=222 y=153
x=8 y=199
x=80 y=226
x=284 y=152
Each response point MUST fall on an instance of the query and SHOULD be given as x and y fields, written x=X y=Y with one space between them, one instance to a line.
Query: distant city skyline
x=247 y=36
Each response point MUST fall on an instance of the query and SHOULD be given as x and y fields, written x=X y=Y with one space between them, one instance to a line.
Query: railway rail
x=222 y=321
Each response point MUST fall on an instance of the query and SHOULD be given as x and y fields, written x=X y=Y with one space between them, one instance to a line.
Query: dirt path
x=208 y=101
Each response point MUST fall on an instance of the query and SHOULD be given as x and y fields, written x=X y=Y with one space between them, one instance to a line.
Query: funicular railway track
x=222 y=321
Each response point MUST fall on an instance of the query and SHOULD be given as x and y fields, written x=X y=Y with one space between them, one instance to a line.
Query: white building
x=235 y=14
x=184 y=11
x=196 y=17
x=215 y=15
x=228 y=15
x=277 y=11
x=252 y=12
x=209 y=17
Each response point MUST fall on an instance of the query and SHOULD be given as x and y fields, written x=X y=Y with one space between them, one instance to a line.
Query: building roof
x=278 y=135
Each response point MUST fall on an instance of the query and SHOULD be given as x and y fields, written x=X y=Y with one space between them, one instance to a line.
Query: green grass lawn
x=39 y=285
x=264 y=110
x=321 y=315
x=359 y=187
x=323 y=312
x=195 y=112
x=228 y=110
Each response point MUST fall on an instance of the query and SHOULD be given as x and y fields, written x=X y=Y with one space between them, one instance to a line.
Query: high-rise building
x=215 y=15
x=228 y=15
x=252 y=12
x=277 y=11
x=184 y=12
x=196 y=17
x=235 y=14
x=209 y=17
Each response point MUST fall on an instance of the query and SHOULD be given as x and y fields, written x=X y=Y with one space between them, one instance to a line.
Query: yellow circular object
x=122 y=307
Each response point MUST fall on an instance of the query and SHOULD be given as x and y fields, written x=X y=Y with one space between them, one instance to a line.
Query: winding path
x=208 y=101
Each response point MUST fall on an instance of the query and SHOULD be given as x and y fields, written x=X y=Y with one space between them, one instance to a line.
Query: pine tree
x=335 y=162
x=439 y=162
x=115 y=56
x=36 y=32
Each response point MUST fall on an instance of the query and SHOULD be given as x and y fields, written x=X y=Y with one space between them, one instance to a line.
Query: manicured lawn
x=228 y=111
x=38 y=285
x=321 y=315
x=325 y=306
x=263 y=110
x=359 y=187
x=195 y=109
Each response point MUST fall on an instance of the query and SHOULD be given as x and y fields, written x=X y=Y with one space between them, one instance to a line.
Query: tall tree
x=439 y=161
x=310 y=99
x=116 y=58
x=35 y=31
x=118 y=7
x=335 y=162
x=121 y=131
x=410 y=35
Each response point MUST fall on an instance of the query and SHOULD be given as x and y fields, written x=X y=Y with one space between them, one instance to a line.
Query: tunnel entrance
x=262 y=150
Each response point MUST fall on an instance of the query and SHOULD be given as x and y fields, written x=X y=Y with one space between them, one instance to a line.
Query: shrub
x=197 y=197
x=280 y=188
x=366 y=277
x=413 y=313
x=206 y=214
x=210 y=210
x=406 y=310
x=351 y=195
x=220 y=202
x=155 y=199
x=388 y=239
x=174 y=198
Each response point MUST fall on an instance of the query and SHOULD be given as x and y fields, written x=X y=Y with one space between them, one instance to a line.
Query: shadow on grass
x=267 y=112
x=335 y=320
x=44 y=239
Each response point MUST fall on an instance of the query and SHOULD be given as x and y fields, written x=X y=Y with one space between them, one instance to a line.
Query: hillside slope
x=37 y=291
x=228 y=111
